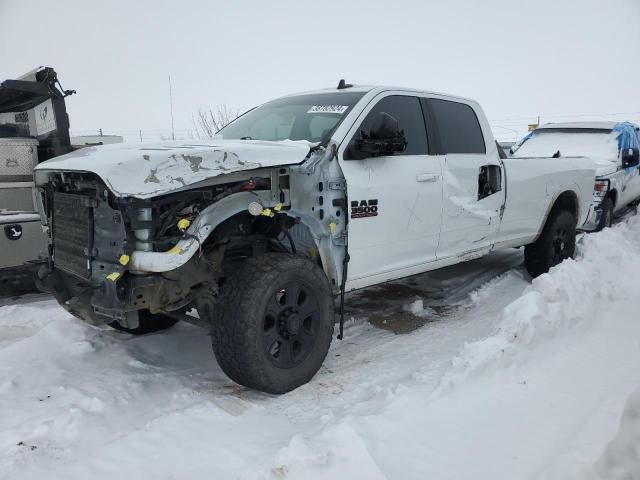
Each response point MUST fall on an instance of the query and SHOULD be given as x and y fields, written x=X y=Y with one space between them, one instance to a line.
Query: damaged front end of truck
x=244 y=234
x=140 y=241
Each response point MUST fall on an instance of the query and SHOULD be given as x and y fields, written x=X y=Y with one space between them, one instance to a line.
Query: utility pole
x=173 y=136
x=140 y=135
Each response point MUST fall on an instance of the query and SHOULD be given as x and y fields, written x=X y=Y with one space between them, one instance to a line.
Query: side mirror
x=384 y=137
x=385 y=127
x=630 y=158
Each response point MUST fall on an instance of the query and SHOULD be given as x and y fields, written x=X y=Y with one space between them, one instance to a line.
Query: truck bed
x=525 y=209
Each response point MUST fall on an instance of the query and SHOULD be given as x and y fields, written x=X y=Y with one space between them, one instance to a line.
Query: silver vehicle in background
x=612 y=146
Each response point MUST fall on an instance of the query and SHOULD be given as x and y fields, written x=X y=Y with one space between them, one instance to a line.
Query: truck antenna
x=342 y=85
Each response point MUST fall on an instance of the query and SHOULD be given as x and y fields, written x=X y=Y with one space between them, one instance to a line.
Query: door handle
x=427 y=177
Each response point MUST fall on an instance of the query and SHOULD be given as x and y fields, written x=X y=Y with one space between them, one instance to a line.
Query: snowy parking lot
x=472 y=372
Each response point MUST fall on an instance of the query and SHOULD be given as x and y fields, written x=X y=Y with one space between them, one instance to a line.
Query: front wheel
x=273 y=322
x=556 y=243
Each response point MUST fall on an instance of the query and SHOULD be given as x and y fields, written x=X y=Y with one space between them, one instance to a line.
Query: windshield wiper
x=246 y=138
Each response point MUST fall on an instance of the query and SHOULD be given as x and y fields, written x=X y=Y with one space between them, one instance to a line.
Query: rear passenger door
x=473 y=179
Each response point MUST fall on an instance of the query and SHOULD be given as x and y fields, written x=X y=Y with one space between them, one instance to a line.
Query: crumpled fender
x=201 y=228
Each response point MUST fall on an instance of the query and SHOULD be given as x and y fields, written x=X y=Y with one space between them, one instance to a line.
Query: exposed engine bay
x=95 y=237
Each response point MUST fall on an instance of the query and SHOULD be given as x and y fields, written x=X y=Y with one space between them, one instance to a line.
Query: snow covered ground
x=489 y=376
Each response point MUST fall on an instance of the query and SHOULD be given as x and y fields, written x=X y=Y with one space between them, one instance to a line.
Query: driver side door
x=395 y=200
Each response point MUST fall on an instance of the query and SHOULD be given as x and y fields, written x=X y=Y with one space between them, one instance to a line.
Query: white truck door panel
x=468 y=222
x=395 y=201
x=630 y=180
x=634 y=180
x=470 y=219
x=404 y=229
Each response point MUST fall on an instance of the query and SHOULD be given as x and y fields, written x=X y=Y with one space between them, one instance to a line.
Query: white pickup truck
x=614 y=149
x=254 y=232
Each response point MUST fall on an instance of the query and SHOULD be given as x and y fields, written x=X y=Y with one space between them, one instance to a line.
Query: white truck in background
x=614 y=149
x=300 y=199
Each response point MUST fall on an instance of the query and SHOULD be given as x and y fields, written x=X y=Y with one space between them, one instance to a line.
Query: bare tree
x=208 y=121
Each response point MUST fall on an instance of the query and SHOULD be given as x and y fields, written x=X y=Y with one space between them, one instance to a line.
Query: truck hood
x=147 y=170
x=604 y=166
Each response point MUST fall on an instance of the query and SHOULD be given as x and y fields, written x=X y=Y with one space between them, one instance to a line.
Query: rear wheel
x=606 y=219
x=556 y=243
x=149 y=323
x=273 y=322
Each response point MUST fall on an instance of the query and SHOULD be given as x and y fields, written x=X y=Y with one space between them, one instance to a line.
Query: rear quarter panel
x=533 y=185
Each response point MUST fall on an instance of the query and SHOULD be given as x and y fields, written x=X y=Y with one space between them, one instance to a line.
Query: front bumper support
x=593 y=218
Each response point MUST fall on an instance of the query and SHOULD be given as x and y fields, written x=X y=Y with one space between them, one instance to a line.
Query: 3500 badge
x=364 y=208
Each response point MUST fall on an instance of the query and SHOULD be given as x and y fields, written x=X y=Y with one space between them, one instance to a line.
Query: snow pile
x=621 y=460
x=573 y=293
x=536 y=398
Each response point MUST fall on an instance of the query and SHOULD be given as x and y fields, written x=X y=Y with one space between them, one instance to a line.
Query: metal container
x=18 y=158
x=16 y=197
x=21 y=239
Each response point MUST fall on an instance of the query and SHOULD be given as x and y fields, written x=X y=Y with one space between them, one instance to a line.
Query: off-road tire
x=606 y=219
x=556 y=243
x=242 y=337
x=149 y=323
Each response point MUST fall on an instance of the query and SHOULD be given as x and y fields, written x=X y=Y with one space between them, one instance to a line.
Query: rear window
x=459 y=128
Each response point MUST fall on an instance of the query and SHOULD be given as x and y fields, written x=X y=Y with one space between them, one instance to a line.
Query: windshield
x=596 y=143
x=301 y=117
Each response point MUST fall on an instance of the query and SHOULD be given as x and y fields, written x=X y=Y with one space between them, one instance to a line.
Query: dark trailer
x=34 y=126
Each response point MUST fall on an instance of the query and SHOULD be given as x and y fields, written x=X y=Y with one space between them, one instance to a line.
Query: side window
x=408 y=112
x=459 y=128
x=489 y=181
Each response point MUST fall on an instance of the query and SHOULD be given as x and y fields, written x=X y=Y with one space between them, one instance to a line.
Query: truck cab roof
x=376 y=89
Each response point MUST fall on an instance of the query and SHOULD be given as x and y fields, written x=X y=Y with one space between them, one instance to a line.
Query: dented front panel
x=158 y=169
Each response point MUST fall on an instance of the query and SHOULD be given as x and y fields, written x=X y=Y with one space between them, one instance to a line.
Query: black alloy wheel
x=290 y=325
x=556 y=243
x=561 y=242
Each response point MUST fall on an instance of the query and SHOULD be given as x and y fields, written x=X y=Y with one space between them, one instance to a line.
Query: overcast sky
x=518 y=59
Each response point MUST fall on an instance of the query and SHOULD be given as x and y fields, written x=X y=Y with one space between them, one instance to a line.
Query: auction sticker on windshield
x=328 y=109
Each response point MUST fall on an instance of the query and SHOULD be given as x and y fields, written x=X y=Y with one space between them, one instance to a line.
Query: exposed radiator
x=72 y=233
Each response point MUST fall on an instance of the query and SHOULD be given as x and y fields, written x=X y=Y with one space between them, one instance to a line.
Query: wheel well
x=270 y=228
x=567 y=201
x=613 y=194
